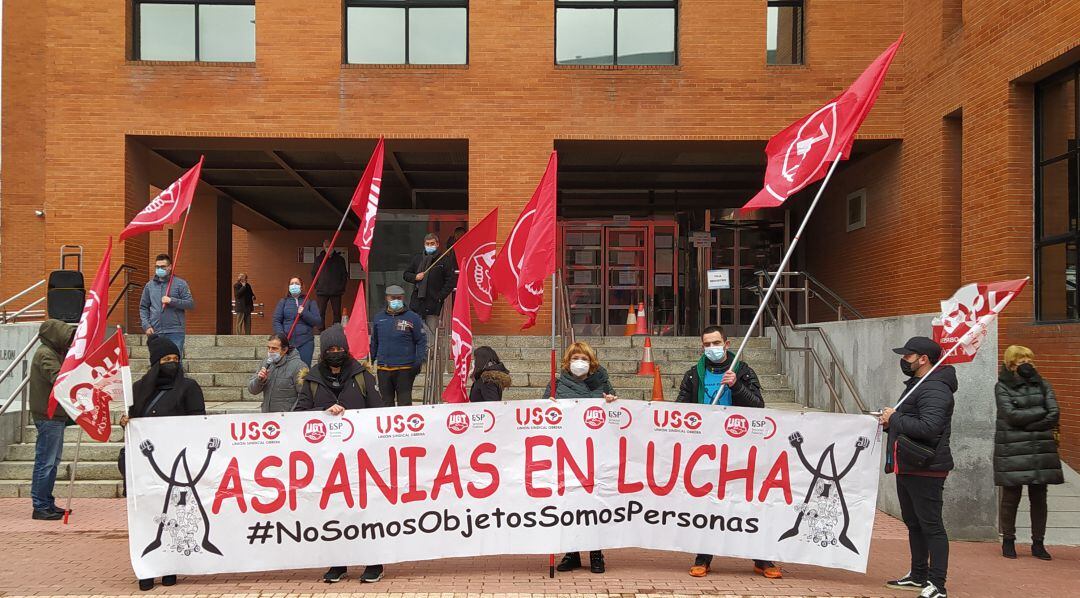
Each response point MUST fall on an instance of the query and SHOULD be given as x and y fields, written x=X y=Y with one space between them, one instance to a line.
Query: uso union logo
x=400 y=424
x=736 y=426
x=595 y=417
x=253 y=431
x=314 y=431
x=538 y=416
x=457 y=422
x=671 y=419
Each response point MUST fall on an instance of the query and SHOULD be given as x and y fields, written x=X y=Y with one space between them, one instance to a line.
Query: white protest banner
x=234 y=493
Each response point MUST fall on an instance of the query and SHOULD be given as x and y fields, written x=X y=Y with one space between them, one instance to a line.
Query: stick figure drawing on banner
x=178 y=517
x=821 y=505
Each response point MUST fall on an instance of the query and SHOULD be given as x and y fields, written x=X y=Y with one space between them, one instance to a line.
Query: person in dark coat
x=712 y=375
x=56 y=337
x=303 y=336
x=581 y=377
x=490 y=376
x=331 y=283
x=1025 y=451
x=163 y=391
x=398 y=346
x=244 y=304
x=278 y=380
x=339 y=382
x=918 y=452
x=435 y=278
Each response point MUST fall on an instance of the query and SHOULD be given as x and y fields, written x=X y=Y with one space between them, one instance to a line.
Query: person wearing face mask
x=303 y=336
x=166 y=315
x=740 y=388
x=278 y=380
x=581 y=377
x=918 y=453
x=435 y=278
x=339 y=382
x=1025 y=451
x=163 y=391
x=399 y=346
x=331 y=284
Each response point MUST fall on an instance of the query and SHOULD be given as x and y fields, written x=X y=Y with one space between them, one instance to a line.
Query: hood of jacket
x=497 y=375
x=945 y=376
x=57 y=335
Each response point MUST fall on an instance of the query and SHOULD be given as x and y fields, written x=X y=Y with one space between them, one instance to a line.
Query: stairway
x=222 y=365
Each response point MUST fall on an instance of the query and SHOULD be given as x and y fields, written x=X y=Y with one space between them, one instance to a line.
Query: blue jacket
x=398 y=339
x=285 y=313
x=173 y=319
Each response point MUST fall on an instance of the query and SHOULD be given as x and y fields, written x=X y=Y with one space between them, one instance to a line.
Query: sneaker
x=335 y=574
x=906 y=582
x=932 y=591
x=146 y=585
x=47 y=515
x=372 y=574
x=571 y=561
x=768 y=569
x=596 y=561
x=168 y=580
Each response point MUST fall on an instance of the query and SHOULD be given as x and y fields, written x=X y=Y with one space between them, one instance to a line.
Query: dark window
x=784 y=32
x=407 y=31
x=212 y=31
x=616 y=31
x=1057 y=196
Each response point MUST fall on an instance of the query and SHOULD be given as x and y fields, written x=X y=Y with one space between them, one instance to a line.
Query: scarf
x=425 y=263
x=701 y=365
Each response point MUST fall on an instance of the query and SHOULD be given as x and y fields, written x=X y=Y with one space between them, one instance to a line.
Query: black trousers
x=1010 y=502
x=335 y=302
x=920 y=507
x=395 y=386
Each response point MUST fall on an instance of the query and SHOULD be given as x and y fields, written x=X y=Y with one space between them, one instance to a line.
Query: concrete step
x=87 y=470
x=90 y=451
x=199 y=353
x=82 y=489
x=677 y=342
x=71 y=434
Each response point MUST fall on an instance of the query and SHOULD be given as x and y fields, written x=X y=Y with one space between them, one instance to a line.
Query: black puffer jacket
x=490 y=384
x=1024 y=448
x=926 y=418
x=317 y=389
x=441 y=279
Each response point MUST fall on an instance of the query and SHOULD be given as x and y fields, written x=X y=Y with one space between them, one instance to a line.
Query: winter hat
x=160 y=347
x=333 y=336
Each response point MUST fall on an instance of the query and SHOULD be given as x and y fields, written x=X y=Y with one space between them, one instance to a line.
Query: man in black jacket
x=435 y=278
x=918 y=453
x=244 y=304
x=712 y=375
x=331 y=284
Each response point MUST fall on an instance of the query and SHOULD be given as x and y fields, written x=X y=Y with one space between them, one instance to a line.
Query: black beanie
x=333 y=336
x=160 y=347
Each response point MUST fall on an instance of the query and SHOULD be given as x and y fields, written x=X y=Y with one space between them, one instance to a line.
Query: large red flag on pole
x=461 y=344
x=800 y=154
x=356 y=329
x=528 y=256
x=167 y=207
x=91 y=330
x=87 y=391
x=365 y=202
x=475 y=252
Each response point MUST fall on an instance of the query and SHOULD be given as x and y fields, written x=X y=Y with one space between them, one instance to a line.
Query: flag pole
x=326 y=256
x=176 y=256
x=780 y=270
x=554 y=294
x=71 y=481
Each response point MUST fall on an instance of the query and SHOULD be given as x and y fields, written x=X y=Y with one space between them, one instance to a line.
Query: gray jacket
x=169 y=320
x=281 y=389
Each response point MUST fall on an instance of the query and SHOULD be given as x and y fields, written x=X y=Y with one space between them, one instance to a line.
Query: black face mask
x=336 y=360
x=907 y=367
x=1026 y=370
x=168 y=370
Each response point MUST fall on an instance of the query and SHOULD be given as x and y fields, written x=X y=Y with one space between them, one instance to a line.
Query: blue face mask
x=396 y=304
x=294 y=289
x=715 y=354
x=430 y=250
x=161 y=272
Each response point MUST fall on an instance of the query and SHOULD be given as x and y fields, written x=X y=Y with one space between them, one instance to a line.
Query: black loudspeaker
x=66 y=295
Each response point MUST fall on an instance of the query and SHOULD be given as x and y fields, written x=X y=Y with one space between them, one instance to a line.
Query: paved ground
x=89 y=557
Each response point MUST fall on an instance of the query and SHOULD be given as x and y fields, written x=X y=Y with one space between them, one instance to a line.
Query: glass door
x=627 y=275
x=583 y=275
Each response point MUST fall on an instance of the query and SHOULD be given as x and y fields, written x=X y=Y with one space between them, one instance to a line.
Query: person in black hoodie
x=331 y=283
x=918 y=452
x=336 y=383
x=490 y=376
x=163 y=391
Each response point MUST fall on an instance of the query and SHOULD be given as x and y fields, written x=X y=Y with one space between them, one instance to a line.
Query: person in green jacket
x=56 y=337
x=1025 y=451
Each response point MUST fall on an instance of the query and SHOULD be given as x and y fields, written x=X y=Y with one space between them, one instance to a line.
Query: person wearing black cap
x=399 y=346
x=918 y=453
x=336 y=383
x=163 y=391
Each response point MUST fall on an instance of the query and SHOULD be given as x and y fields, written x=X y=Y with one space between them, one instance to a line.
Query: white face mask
x=579 y=367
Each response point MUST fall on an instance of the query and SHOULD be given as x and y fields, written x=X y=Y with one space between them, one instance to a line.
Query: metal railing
x=128 y=285
x=564 y=324
x=20 y=362
x=810 y=288
x=437 y=357
x=6 y=318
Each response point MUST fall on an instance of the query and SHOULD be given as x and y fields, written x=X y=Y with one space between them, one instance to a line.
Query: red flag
x=802 y=153
x=91 y=330
x=103 y=377
x=966 y=317
x=475 y=253
x=460 y=348
x=356 y=331
x=365 y=202
x=528 y=256
x=167 y=207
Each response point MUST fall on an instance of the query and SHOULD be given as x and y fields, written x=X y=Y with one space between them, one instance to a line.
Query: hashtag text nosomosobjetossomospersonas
x=470 y=523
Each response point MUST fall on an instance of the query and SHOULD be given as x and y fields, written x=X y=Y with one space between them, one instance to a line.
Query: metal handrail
x=19 y=359
x=119 y=270
x=435 y=360
x=21 y=293
x=838 y=305
x=123 y=291
x=6 y=319
x=839 y=300
x=565 y=324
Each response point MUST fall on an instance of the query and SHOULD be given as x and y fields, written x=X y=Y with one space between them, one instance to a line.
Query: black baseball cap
x=920 y=345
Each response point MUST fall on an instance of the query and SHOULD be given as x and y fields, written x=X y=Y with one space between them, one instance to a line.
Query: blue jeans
x=307 y=351
x=177 y=339
x=47 y=452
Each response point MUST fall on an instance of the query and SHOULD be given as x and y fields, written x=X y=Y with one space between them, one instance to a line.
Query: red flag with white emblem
x=528 y=256
x=461 y=344
x=356 y=330
x=475 y=253
x=966 y=316
x=365 y=202
x=91 y=330
x=87 y=392
x=167 y=207
x=801 y=154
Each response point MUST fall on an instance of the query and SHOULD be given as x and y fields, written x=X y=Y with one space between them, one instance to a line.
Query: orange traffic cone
x=657 y=386
x=631 y=322
x=647 y=367
x=642 y=328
